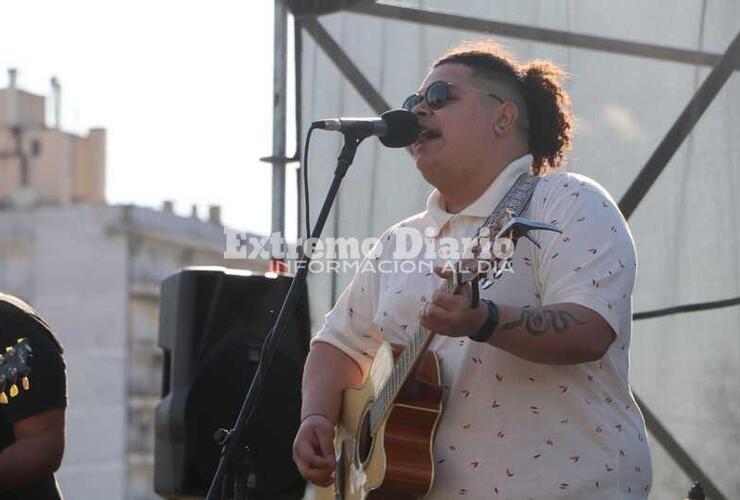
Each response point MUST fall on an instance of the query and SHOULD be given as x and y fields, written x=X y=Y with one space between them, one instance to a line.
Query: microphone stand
x=236 y=457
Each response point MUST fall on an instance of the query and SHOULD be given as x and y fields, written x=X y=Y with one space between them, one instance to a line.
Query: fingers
x=313 y=454
x=326 y=445
x=449 y=301
x=442 y=272
x=302 y=452
x=317 y=461
x=308 y=451
x=322 y=481
x=451 y=315
x=437 y=319
x=313 y=467
x=321 y=477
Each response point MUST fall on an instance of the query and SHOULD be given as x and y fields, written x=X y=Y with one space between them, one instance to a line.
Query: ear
x=507 y=115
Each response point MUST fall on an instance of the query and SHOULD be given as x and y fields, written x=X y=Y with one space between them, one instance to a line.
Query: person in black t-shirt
x=31 y=410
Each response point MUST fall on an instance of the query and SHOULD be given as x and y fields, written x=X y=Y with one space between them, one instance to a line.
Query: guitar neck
x=403 y=367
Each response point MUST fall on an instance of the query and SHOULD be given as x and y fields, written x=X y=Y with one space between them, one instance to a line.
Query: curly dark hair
x=539 y=83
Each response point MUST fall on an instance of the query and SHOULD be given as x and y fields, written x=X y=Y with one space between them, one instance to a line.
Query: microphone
x=396 y=128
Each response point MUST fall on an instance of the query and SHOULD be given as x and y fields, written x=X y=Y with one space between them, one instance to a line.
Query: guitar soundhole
x=365 y=441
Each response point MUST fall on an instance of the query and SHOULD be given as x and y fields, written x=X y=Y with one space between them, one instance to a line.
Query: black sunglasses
x=437 y=95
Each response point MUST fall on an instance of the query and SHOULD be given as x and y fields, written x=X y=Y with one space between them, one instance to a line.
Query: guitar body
x=396 y=462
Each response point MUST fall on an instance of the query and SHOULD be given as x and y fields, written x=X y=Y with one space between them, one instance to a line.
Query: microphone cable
x=305 y=181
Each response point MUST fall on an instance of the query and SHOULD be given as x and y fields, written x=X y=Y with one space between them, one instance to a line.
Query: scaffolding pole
x=279 y=107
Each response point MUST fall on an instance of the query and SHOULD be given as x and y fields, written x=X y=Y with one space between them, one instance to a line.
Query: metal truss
x=535 y=34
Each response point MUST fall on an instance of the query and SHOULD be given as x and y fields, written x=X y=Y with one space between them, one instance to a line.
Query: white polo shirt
x=512 y=428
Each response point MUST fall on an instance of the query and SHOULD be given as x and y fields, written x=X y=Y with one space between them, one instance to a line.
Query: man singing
x=31 y=411
x=537 y=401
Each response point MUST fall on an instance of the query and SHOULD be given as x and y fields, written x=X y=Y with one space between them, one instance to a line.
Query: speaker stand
x=235 y=448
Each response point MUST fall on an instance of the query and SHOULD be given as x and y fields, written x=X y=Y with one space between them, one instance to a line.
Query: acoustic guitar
x=385 y=434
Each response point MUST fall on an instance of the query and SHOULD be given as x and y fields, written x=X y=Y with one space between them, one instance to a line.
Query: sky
x=184 y=90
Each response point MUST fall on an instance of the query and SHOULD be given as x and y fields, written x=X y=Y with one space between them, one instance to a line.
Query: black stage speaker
x=212 y=324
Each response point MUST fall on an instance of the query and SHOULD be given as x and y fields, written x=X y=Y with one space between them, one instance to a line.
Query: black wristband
x=489 y=326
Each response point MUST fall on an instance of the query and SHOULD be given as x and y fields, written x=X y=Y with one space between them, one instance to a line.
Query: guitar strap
x=514 y=201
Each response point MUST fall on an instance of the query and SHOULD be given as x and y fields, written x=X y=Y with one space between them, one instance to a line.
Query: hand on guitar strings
x=313 y=450
x=451 y=315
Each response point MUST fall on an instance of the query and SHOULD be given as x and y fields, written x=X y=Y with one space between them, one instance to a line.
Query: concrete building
x=93 y=271
x=42 y=164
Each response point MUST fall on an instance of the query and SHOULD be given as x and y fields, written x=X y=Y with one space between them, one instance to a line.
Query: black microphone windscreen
x=403 y=128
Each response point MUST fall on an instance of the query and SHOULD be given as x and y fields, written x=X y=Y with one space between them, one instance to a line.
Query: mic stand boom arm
x=234 y=450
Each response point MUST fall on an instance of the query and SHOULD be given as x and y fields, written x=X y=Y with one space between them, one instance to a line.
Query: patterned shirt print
x=511 y=428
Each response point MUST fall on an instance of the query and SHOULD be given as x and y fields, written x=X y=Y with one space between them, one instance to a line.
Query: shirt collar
x=482 y=207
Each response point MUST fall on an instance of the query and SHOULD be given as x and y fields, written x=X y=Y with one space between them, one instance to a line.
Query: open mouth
x=428 y=134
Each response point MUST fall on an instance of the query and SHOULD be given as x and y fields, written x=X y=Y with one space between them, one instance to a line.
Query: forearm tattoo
x=538 y=321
